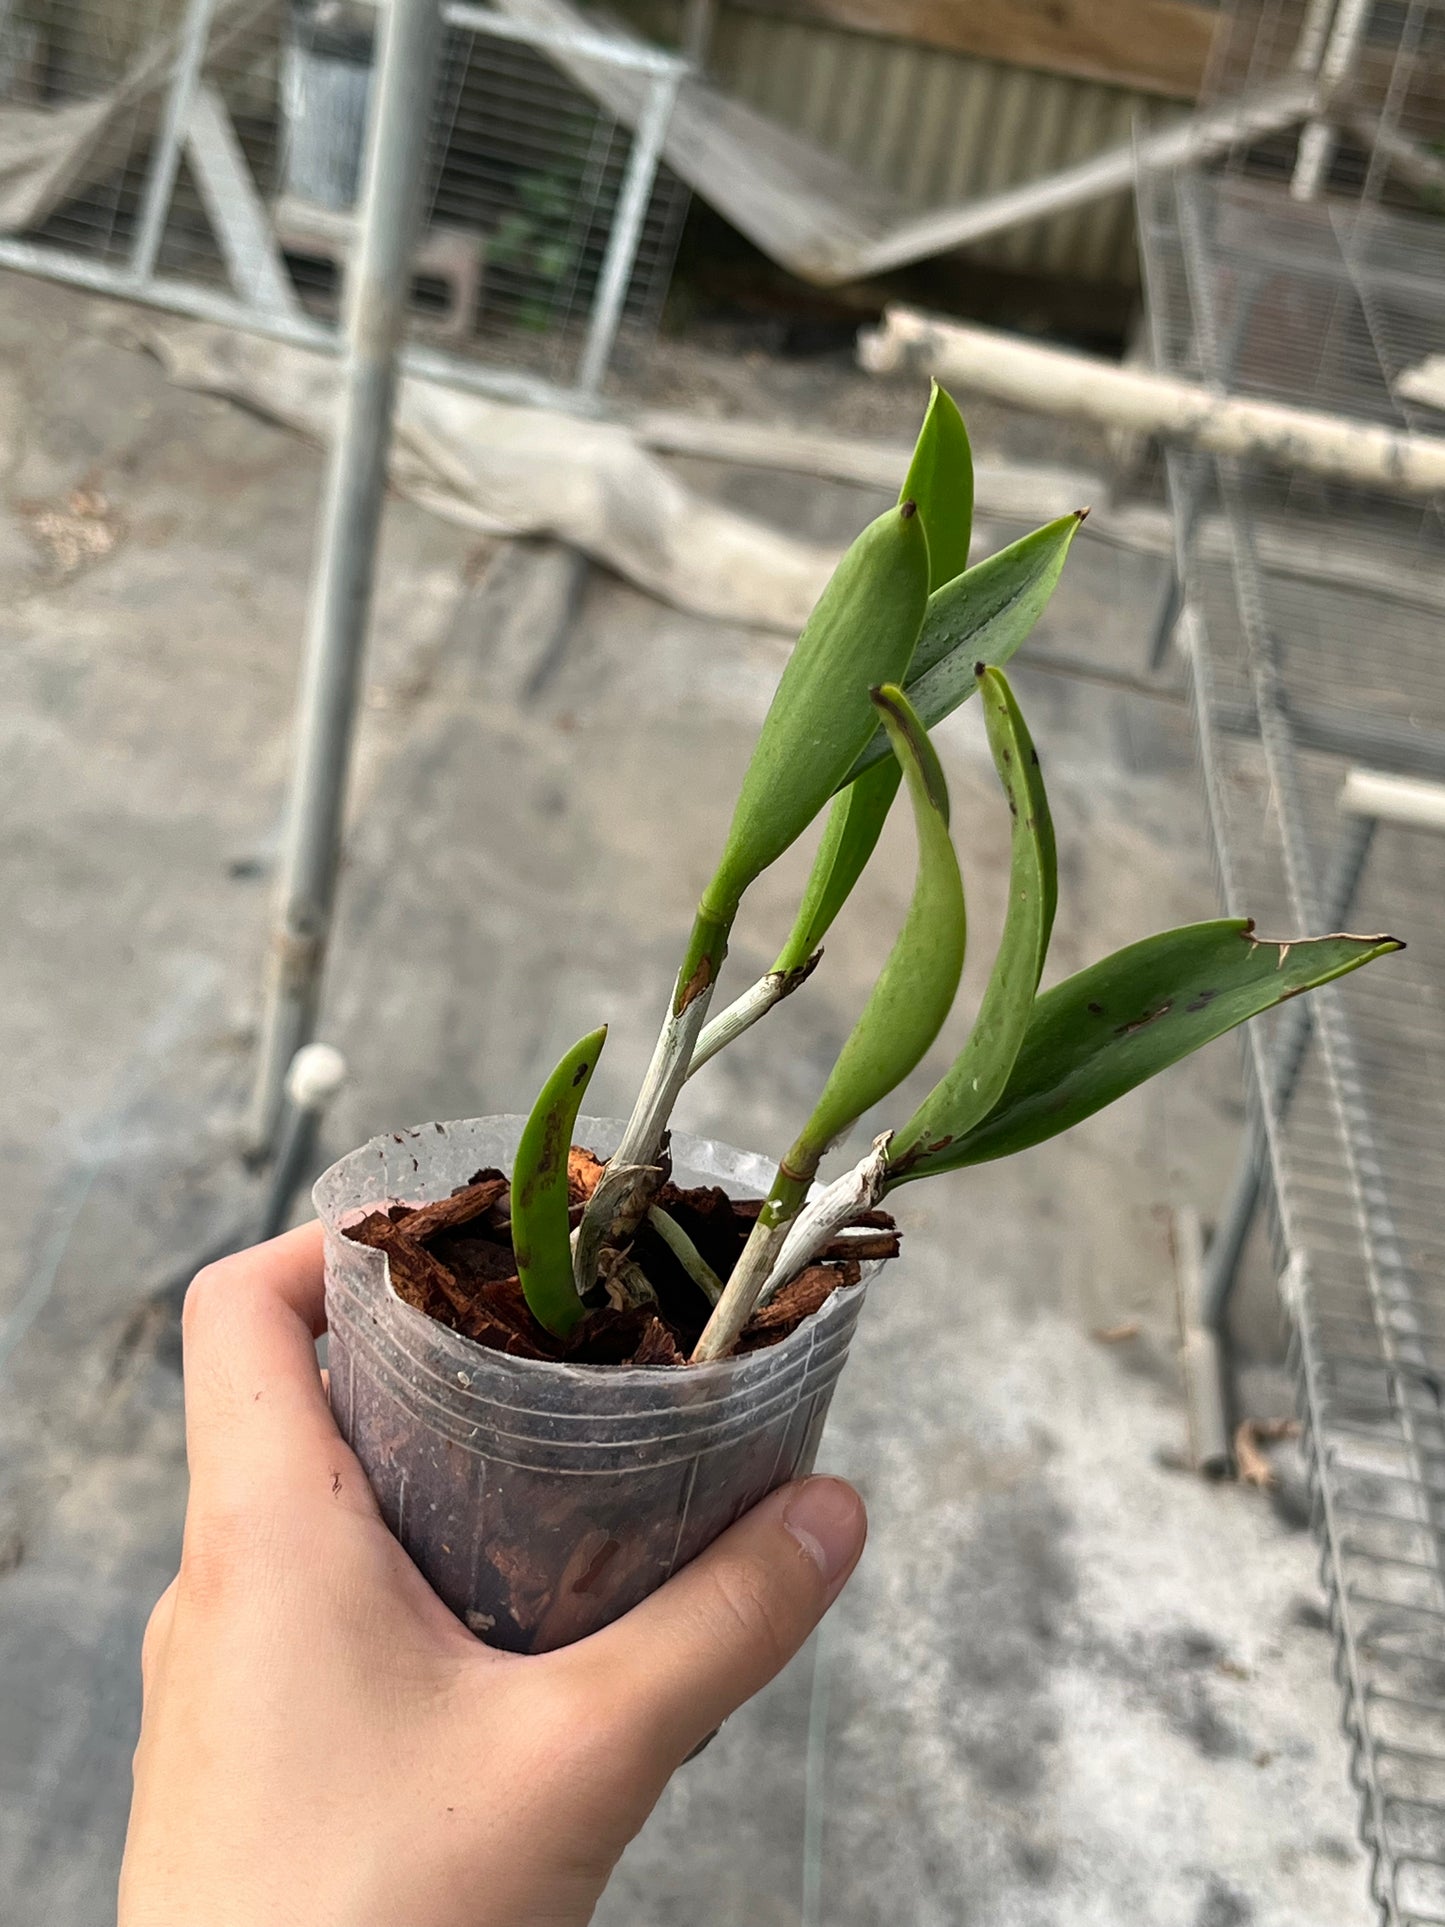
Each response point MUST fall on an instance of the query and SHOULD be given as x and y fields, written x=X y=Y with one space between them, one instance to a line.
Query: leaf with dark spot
x=979 y=619
x=1069 y=1068
x=939 y=483
x=541 y=1234
x=976 y=1079
x=916 y=986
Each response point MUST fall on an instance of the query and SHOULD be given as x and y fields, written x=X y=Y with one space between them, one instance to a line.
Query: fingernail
x=827 y=1519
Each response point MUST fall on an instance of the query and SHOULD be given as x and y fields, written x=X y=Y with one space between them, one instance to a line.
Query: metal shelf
x=1327 y=306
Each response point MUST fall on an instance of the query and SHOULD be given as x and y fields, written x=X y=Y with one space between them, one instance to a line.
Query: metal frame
x=1330 y=1086
x=370 y=344
x=166 y=155
x=378 y=285
x=1336 y=59
x=258 y=306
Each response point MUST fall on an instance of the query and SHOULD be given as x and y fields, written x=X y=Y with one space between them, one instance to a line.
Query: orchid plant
x=903 y=634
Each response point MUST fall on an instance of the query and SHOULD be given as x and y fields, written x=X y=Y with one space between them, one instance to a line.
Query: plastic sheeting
x=513 y=470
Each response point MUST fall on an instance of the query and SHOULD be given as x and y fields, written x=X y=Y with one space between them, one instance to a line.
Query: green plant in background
x=535 y=244
x=903 y=634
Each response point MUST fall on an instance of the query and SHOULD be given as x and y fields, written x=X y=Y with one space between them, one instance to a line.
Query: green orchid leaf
x=861 y=633
x=541 y=1236
x=980 y=1072
x=983 y=615
x=917 y=985
x=940 y=481
x=986 y=612
x=850 y=835
x=1116 y=1024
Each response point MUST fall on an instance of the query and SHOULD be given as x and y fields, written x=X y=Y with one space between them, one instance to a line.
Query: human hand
x=324 y=1745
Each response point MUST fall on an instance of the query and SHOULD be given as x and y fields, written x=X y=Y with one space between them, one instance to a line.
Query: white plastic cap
x=317 y=1073
x=1418 y=804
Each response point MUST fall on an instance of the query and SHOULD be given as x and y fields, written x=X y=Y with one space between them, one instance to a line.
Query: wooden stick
x=1059 y=382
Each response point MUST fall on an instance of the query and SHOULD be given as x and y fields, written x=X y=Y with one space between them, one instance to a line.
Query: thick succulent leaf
x=983 y=615
x=995 y=603
x=1116 y=1024
x=980 y=1073
x=861 y=633
x=541 y=1236
x=917 y=985
x=855 y=822
x=1006 y=595
x=940 y=481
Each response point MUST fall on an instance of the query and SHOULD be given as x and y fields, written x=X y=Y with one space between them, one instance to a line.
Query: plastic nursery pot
x=543 y=1500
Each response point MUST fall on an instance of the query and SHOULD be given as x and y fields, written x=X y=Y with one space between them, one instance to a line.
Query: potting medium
x=543 y=1500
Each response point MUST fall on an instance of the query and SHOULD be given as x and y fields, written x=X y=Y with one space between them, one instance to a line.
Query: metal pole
x=1317 y=142
x=699 y=17
x=626 y=230
x=314 y=1080
x=166 y=154
x=377 y=287
x=1314 y=32
x=1197 y=138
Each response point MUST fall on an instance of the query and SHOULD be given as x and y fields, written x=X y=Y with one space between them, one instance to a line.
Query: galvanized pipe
x=1314 y=33
x=199 y=302
x=378 y=285
x=1189 y=142
x=1317 y=142
x=612 y=49
x=313 y=1081
x=1383 y=797
x=647 y=140
x=170 y=137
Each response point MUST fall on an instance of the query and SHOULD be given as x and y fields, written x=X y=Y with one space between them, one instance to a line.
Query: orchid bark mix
x=903 y=634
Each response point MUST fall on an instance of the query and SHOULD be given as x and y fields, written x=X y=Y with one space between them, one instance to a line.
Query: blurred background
x=530 y=441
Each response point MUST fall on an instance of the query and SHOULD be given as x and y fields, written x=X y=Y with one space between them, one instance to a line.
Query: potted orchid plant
x=569 y=1353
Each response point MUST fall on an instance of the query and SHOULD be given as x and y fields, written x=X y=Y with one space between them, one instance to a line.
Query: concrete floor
x=1071 y=1684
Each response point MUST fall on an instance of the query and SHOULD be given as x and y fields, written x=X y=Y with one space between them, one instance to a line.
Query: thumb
x=725 y=1625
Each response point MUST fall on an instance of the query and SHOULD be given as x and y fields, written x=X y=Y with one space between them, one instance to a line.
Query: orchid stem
x=667 y=1073
x=755 y=1266
x=745 y=1011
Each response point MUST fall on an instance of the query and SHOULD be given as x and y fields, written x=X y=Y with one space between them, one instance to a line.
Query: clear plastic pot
x=543 y=1500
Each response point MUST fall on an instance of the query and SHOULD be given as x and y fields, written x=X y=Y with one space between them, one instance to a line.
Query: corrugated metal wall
x=941 y=127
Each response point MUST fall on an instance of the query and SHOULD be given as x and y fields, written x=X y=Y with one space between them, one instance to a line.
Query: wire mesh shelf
x=1381 y=69
x=214 y=147
x=1297 y=675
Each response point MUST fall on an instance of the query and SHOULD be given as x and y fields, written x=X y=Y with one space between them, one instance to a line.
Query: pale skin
x=324 y=1745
